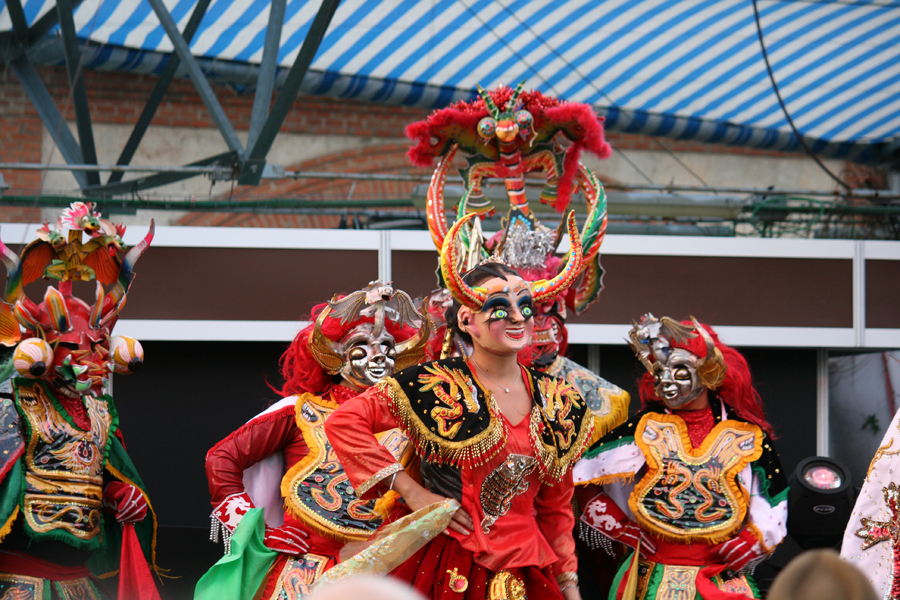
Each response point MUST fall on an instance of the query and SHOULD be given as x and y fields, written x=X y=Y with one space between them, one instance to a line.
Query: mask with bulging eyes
x=677 y=382
x=367 y=359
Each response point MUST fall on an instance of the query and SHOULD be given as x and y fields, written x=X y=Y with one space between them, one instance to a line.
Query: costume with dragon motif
x=509 y=469
x=693 y=480
x=281 y=462
x=71 y=501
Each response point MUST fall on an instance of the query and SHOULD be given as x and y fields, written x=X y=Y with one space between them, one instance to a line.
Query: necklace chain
x=505 y=389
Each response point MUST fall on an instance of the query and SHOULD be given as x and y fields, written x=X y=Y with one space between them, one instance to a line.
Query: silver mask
x=677 y=382
x=367 y=359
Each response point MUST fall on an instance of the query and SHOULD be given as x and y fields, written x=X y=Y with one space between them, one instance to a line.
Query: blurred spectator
x=821 y=575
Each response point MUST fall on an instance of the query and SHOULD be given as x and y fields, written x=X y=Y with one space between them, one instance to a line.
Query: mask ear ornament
x=126 y=353
x=32 y=358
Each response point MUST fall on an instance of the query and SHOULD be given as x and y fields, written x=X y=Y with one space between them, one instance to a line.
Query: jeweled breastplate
x=64 y=465
x=317 y=490
x=692 y=494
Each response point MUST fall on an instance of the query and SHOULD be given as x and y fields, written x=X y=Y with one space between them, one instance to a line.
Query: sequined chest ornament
x=692 y=494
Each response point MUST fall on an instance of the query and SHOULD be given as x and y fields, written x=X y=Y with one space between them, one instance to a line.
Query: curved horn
x=323 y=350
x=712 y=368
x=56 y=307
x=511 y=103
x=544 y=290
x=437 y=220
x=488 y=101
x=467 y=296
x=126 y=272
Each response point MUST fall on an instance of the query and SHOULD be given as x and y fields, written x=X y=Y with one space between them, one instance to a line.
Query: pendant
x=506 y=390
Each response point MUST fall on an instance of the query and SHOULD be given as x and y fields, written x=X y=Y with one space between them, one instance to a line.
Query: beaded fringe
x=594 y=539
x=215 y=529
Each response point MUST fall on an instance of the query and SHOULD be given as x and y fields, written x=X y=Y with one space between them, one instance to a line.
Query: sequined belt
x=679 y=582
x=63 y=501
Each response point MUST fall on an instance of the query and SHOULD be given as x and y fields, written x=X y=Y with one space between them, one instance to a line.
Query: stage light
x=819 y=503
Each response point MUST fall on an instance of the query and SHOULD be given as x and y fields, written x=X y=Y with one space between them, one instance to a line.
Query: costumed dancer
x=872 y=538
x=509 y=134
x=282 y=461
x=710 y=500
x=72 y=506
x=497 y=437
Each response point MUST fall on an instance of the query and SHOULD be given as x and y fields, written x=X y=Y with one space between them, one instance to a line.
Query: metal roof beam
x=265 y=81
x=49 y=113
x=225 y=160
x=19 y=22
x=76 y=85
x=198 y=77
x=42 y=26
x=159 y=91
x=256 y=159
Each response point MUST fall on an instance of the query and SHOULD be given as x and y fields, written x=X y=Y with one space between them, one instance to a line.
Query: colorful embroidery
x=503 y=484
x=692 y=494
x=21 y=587
x=607 y=402
x=76 y=589
x=64 y=465
x=298 y=575
x=874 y=532
x=317 y=490
x=448 y=417
x=678 y=583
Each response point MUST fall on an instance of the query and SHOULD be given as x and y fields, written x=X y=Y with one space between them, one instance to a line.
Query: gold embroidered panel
x=63 y=465
x=298 y=575
x=21 y=587
x=318 y=491
x=692 y=494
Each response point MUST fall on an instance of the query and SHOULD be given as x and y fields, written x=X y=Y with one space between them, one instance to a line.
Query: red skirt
x=444 y=570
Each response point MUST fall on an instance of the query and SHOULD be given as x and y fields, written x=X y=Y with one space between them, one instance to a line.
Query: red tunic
x=536 y=531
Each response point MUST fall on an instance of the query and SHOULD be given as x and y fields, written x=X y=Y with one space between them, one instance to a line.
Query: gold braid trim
x=623 y=478
x=551 y=466
x=471 y=452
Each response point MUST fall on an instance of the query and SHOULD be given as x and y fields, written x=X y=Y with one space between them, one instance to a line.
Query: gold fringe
x=617 y=415
x=551 y=466
x=711 y=537
x=7 y=527
x=474 y=451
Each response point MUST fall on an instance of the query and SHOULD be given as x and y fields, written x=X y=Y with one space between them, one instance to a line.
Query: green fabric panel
x=600 y=448
x=654 y=580
x=617 y=580
x=11 y=491
x=238 y=576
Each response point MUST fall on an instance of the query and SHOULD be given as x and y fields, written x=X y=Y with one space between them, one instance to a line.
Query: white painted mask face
x=367 y=359
x=677 y=382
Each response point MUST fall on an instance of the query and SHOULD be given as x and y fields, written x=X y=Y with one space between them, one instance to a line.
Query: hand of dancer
x=571 y=593
x=124 y=501
x=417 y=497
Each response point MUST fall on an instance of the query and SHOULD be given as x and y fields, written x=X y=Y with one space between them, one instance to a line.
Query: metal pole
x=197 y=77
x=265 y=81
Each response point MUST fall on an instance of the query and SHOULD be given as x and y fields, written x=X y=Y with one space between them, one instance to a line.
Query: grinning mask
x=367 y=358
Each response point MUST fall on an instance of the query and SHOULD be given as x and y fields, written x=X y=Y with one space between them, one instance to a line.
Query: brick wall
x=118 y=98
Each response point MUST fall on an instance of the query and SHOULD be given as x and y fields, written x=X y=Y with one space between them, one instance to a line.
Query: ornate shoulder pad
x=561 y=427
x=448 y=416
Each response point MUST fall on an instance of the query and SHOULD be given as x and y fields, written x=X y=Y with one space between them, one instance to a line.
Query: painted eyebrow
x=496 y=301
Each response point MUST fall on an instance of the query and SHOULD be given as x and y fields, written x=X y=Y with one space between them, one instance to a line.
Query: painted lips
x=517 y=334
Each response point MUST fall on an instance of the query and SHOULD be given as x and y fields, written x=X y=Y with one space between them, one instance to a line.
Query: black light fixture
x=819 y=503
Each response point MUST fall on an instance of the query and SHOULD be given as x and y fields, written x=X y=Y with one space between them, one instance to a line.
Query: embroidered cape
x=451 y=418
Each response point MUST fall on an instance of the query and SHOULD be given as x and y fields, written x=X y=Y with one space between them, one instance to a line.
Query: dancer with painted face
x=692 y=481
x=495 y=436
x=281 y=462
x=72 y=506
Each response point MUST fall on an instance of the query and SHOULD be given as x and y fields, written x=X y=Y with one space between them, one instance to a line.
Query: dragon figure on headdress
x=512 y=134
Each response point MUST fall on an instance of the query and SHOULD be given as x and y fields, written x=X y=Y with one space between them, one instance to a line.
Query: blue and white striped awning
x=690 y=69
